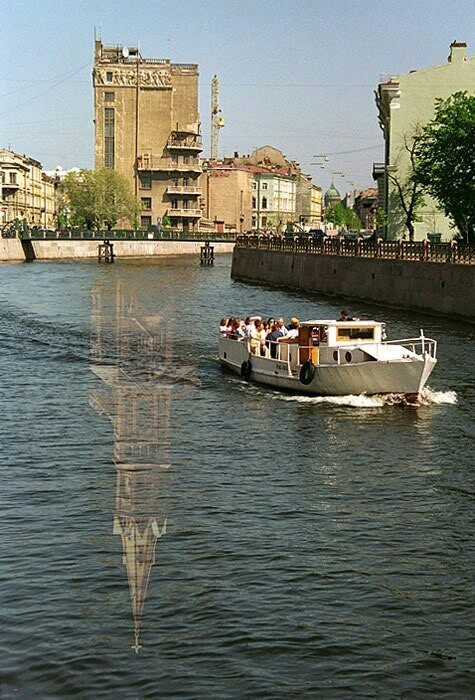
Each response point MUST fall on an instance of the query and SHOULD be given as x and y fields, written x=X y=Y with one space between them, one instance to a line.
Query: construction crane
x=217 y=120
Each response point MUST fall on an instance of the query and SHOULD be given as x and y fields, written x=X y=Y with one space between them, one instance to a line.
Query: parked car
x=317 y=234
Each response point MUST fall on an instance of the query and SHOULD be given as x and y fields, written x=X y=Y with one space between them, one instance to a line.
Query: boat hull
x=405 y=376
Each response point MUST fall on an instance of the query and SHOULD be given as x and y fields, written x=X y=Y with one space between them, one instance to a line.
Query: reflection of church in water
x=131 y=352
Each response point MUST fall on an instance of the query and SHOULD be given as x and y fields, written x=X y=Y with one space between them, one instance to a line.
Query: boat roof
x=360 y=322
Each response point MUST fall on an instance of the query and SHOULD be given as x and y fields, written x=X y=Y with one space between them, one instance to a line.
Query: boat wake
x=428 y=398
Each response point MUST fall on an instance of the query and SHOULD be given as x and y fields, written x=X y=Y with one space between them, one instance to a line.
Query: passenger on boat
x=272 y=339
x=223 y=325
x=345 y=316
x=281 y=325
x=237 y=332
x=257 y=340
x=294 y=328
x=248 y=326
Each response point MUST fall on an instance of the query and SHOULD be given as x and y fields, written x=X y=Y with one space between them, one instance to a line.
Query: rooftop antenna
x=217 y=120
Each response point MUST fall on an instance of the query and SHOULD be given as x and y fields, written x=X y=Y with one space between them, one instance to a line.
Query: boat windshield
x=355 y=333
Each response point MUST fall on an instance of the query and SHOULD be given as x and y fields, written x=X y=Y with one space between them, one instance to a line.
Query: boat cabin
x=315 y=337
x=333 y=333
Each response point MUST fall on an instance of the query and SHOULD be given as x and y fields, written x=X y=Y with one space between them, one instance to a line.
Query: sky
x=299 y=75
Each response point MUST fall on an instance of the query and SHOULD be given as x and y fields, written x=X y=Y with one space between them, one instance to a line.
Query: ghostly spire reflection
x=132 y=354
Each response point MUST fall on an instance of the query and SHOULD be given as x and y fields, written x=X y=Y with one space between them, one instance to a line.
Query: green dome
x=332 y=194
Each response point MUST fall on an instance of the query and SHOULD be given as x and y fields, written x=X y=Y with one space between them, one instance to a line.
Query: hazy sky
x=298 y=75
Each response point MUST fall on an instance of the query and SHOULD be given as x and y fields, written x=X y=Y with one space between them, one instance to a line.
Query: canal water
x=169 y=531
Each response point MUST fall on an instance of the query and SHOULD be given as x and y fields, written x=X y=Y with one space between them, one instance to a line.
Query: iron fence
x=19 y=230
x=453 y=252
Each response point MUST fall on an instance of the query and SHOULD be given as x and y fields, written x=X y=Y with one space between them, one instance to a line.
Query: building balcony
x=184 y=213
x=157 y=164
x=379 y=169
x=10 y=185
x=184 y=141
x=183 y=189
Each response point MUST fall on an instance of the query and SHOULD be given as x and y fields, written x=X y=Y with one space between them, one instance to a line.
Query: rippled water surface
x=168 y=531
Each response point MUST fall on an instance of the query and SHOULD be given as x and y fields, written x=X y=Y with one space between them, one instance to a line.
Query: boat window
x=359 y=333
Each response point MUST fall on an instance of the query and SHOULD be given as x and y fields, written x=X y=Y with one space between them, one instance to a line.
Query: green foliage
x=166 y=222
x=406 y=197
x=99 y=198
x=335 y=214
x=381 y=218
x=352 y=220
x=446 y=160
x=342 y=216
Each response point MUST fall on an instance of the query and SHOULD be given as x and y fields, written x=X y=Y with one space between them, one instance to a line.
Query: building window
x=145 y=182
x=264 y=202
x=254 y=222
x=264 y=185
x=146 y=202
x=254 y=203
x=145 y=221
x=12 y=178
x=264 y=221
x=186 y=160
x=254 y=185
x=174 y=158
x=109 y=119
x=109 y=77
x=109 y=96
x=185 y=182
x=174 y=203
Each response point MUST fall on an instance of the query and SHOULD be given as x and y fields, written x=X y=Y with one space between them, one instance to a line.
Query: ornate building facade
x=147 y=127
x=26 y=191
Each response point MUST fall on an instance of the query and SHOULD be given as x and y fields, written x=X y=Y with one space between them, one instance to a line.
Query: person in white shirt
x=281 y=326
x=294 y=328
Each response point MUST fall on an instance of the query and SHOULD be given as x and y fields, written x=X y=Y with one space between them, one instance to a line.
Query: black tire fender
x=246 y=369
x=307 y=372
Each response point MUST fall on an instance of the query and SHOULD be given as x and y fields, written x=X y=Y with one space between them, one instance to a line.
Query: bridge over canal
x=21 y=242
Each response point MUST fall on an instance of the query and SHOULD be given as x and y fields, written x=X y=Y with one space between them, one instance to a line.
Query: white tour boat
x=336 y=358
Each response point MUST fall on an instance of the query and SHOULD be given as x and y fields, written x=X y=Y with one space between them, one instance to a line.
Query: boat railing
x=419 y=346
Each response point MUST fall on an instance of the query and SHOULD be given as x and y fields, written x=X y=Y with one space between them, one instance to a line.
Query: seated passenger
x=257 y=340
x=237 y=332
x=223 y=325
x=272 y=338
x=281 y=325
x=294 y=328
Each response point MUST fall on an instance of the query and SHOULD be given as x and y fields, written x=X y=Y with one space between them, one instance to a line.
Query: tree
x=352 y=220
x=335 y=214
x=446 y=160
x=343 y=216
x=407 y=187
x=99 y=198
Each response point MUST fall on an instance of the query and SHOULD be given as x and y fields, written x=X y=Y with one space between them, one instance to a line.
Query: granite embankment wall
x=443 y=288
x=11 y=249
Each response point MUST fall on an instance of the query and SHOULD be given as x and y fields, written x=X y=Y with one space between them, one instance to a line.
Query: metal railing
x=19 y=230
x=453 y=252
x=153 y=162
x=419 y=346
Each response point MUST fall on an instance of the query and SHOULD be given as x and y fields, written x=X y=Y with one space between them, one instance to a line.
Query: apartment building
x=147 y=127
x=406 y=102
x=26 y=191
